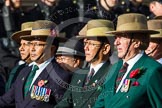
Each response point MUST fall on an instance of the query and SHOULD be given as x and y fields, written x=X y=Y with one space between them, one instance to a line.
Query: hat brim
x=42 y=38
x=16 y=36
x=133 y=31
x=81 y=37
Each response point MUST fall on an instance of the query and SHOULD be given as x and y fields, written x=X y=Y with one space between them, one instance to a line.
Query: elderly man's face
x=122 y=42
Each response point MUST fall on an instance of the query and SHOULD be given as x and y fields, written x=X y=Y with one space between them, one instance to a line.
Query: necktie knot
x=35 y=68
x=124 y=67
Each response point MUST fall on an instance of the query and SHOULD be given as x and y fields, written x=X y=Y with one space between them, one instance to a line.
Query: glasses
x=37 y=44
x=90 y=44
x=60 y=58
x=24 y=44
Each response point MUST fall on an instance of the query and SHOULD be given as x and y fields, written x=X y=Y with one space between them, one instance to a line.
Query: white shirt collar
x=97 y=67
x=159 y=60
x=41 y=66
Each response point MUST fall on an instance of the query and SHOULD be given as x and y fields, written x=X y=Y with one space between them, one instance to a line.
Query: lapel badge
x=42 y=83
x=95 y=83
x=23 y=79
x=125 y=85
x=79 y=81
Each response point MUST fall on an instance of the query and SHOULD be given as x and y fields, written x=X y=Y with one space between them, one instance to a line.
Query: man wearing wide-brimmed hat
x=24 y=52
x=155 y=46
x=70 y=55
x=86 y=83
x=44 y=83
x=136 y=83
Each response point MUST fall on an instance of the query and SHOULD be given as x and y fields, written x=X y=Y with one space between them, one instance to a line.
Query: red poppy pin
x=42 y=83
x=135 y=83
x=136 y=72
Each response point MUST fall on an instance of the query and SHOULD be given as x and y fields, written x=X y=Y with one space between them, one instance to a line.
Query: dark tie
x=121 y=73
x=30 y=79
x=89 y=76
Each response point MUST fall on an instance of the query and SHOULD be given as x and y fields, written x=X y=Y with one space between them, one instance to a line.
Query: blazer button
x=127 y=97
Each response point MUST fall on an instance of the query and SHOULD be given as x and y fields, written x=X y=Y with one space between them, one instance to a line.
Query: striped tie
x=30 y=79
x=89 y=76
x=121 y=73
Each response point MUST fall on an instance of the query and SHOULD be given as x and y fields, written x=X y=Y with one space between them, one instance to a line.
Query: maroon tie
x=121 y=73
x=89 y=76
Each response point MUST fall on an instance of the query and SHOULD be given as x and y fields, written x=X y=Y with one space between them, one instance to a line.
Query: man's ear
x=77 y=62
x=137 y=44
x=106 y=49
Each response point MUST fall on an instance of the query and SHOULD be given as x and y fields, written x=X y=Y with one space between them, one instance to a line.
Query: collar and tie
x=121 y=73
x=30 y=79
x=89 y=76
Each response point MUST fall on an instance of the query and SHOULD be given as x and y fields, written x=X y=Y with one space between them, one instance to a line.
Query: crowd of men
x=81 y=54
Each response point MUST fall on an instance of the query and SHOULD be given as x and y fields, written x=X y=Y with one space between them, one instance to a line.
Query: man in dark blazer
x=85 y=85
x=48 y=82
x=137 y=85
x=24 y=53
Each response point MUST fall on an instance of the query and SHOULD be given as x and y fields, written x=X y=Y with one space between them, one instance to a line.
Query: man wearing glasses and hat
x=155 y=46
x=134 y=81
x=86 y=83
x=70 y=55
x=43 y=84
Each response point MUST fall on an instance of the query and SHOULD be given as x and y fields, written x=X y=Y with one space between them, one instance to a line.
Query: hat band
x=159 y=35
x=132 y=26
x=99 y=31
x=47 y=32
x=30 y=28
x=69 y=50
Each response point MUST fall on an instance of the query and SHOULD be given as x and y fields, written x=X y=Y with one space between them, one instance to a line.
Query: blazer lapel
x=111 y=78
x=23 y=79
x=80 y=81
x=102 y=72
x=98 y=77
x=138 y=64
